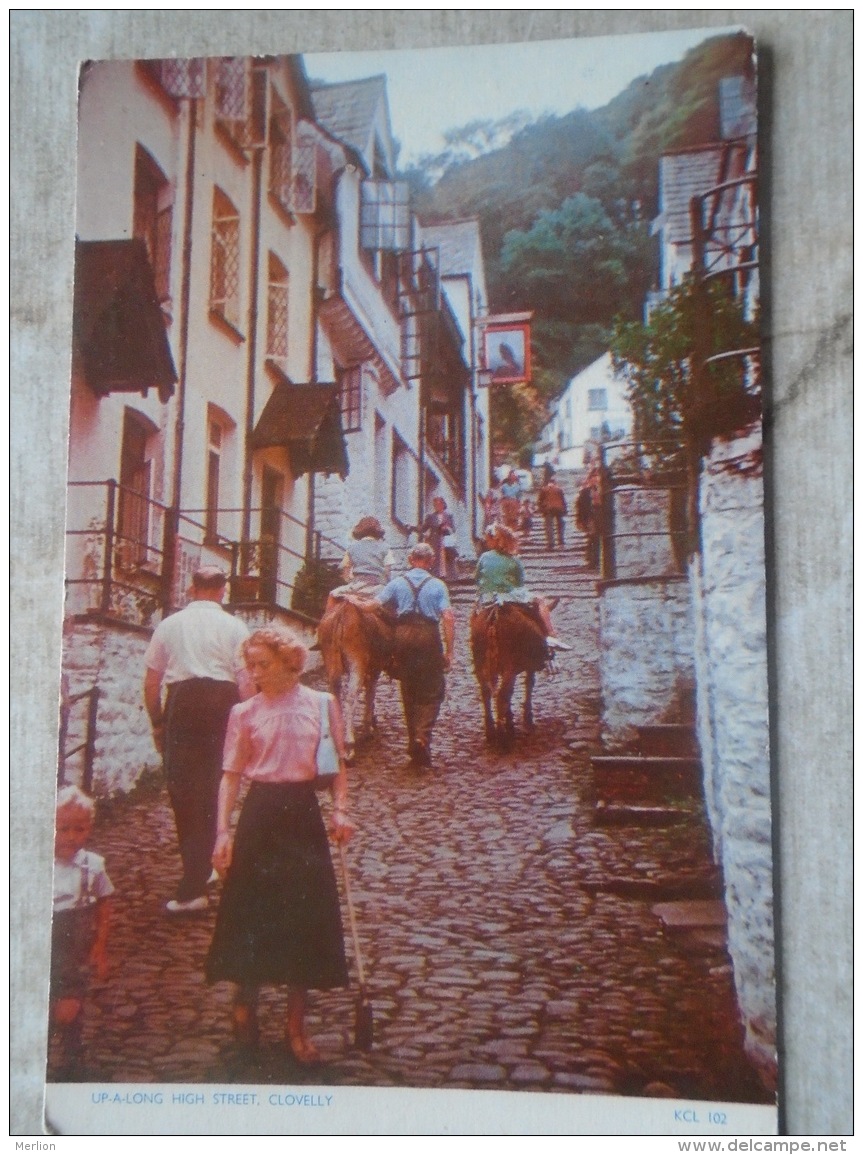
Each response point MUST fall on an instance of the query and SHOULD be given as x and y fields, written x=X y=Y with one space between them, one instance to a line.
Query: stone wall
x=731 y=659
x=111 y=656
x=646 y=653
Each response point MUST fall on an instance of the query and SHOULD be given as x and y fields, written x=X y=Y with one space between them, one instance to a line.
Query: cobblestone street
x=498 y=953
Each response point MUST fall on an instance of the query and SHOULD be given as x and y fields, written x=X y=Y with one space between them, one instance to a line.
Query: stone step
x=663 y=890
x=688 y=915
x=675 y=739
x=633 y=778
x=645 y=762
x=605 y=814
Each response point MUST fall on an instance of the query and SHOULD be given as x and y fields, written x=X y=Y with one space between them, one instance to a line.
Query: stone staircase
x=560 y=573
x=658 y=784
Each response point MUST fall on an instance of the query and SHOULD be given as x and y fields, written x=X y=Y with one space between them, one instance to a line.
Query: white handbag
x=327 y=760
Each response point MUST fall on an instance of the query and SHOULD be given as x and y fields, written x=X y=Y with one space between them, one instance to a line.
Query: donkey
x=507 y=639
x=356 y=642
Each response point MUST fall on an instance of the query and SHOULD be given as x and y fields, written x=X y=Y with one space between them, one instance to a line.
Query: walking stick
x=363 y=1022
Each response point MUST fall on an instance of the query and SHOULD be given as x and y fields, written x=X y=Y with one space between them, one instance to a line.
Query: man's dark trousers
x=196 y=718
x=554 y=519
x=423 y=684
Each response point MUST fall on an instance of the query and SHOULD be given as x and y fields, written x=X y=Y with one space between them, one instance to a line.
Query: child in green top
x=500 y=578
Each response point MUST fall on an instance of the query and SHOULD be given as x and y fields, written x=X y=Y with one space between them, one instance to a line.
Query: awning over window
x=118 y=327
x=353 y=343
x=307 y=421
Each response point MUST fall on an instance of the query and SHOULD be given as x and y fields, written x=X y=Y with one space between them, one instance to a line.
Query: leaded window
x=385 y=215
x=181 y=78
x=152 y=218
x=281 y=151
x=225 y=259
x=351 y=397
x=277 y=311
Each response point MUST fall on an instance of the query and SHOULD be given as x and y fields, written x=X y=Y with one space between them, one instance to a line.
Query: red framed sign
x=506 y=352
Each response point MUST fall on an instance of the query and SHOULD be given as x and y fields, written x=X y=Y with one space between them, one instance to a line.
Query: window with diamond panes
x=281 y=145
x=225 y=259
x=233 y=98
x=277 y=312
x=304 y=178
x=351 y=397
x=183 y=78
x=152 y=218
x=385 y=215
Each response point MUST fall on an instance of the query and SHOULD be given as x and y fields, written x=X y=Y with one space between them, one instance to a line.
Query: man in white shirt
x=196 y=654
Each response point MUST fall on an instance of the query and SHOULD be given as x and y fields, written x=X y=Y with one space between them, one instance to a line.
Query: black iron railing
x=641 y=493
x=131 y=559
x=116 y=559
x=88 y=746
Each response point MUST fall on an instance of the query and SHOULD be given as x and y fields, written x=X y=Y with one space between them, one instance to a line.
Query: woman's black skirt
x=279 y=918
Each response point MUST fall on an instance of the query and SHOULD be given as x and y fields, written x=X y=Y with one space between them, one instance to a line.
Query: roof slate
x=347 y=110
x=458 y=242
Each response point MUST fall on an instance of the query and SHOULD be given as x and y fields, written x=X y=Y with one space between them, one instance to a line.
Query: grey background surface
x=806 y=135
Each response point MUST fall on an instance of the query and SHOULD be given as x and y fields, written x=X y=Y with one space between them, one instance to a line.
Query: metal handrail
x=186 y=526
x=89 y=743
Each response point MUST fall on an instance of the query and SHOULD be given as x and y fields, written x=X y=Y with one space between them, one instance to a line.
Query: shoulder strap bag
x=328 y=756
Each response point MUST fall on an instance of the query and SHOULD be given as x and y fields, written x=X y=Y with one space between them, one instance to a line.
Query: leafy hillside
x=565 y=209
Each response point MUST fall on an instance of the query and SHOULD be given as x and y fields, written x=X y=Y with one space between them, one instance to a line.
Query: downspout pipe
x=251 y=361
x=313 y=367
x=185 y=297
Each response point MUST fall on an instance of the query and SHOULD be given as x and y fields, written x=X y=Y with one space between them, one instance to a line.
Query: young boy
x=81 y=917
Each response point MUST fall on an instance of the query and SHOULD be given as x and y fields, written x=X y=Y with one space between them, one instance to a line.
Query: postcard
x=414 y=732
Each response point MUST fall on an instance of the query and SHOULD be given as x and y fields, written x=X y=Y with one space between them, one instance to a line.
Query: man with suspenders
x=424 y=633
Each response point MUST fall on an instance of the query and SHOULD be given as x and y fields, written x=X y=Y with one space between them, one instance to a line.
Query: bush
x=312 y=586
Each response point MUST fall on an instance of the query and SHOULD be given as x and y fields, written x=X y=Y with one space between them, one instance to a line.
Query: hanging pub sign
x=505 y=349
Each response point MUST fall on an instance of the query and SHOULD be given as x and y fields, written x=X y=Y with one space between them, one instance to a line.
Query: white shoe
x=556 y=644
x=193 y=904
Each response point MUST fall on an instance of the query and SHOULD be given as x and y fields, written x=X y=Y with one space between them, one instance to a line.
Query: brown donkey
x=356 y=641
x=506 y=640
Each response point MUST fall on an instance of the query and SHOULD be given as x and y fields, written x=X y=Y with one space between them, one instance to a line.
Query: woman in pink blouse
x=279 y=919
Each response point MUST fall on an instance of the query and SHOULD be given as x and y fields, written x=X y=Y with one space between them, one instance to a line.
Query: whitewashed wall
x=646 y=653
x=113 y=658
x=731 y=659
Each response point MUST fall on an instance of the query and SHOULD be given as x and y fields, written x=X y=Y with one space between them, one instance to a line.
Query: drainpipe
x=421 y=443
x=251 y=362
x=333 y=226
x=172 y=528
x=313 y=377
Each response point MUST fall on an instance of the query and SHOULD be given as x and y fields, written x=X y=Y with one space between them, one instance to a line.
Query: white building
x=397 y=333
x=592 y=409
x=264 y=351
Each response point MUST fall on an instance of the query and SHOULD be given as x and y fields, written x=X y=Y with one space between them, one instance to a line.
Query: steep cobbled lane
x=495 y=958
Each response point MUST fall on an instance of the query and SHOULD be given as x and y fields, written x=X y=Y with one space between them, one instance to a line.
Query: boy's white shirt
x=69 y=891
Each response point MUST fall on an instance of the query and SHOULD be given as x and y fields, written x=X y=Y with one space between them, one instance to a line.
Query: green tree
x=656 y=359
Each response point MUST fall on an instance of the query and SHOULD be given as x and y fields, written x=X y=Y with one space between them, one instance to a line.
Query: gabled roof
x=459 y=244
x=348 y=110
x=683 y=175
